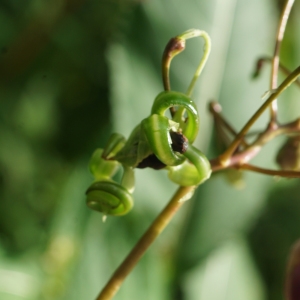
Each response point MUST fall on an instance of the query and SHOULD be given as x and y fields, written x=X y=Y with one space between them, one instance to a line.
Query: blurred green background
x=71 y=73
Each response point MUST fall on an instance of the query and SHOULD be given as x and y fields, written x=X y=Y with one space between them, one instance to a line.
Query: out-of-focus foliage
x=71 y=72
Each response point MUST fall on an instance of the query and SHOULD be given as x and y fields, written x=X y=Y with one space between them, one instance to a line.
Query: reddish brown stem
x=215 y=108
x=260 y=63
x=275 y=61
x=281 y=173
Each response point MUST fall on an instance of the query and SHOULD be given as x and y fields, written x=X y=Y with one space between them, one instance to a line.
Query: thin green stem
x=225 y=157
x=203 y=61
x=158 y=225
x=175 y=46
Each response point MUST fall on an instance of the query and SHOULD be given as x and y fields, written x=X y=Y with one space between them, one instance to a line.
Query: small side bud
x=292 y=287
x=288 y=157
x=258 y=67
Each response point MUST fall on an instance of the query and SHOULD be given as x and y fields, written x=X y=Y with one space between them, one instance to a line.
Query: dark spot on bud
x=179 y=142
x=151 y=162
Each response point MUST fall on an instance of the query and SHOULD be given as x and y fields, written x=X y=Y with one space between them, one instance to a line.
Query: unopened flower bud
x=288 y=156
x=292 y=288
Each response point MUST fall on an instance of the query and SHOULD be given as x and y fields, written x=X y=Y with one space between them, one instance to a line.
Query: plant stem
x=239 y=159
x=203 y=61
x=158 y=225
x=175 y=46
x=183 y=194
x=225 y=157
x=281 y=173
x=260 y=62
x=275 y=61
x=220 y=123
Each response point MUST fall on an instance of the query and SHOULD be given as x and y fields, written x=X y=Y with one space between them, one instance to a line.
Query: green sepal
x=167 y=99
x=100 y=168
x=194 y=171
x=128 y=180
x=185 y=174
x=156 y=129
x=109 y=198
x=115 y=143
x=135 y=149
x=200 y=161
